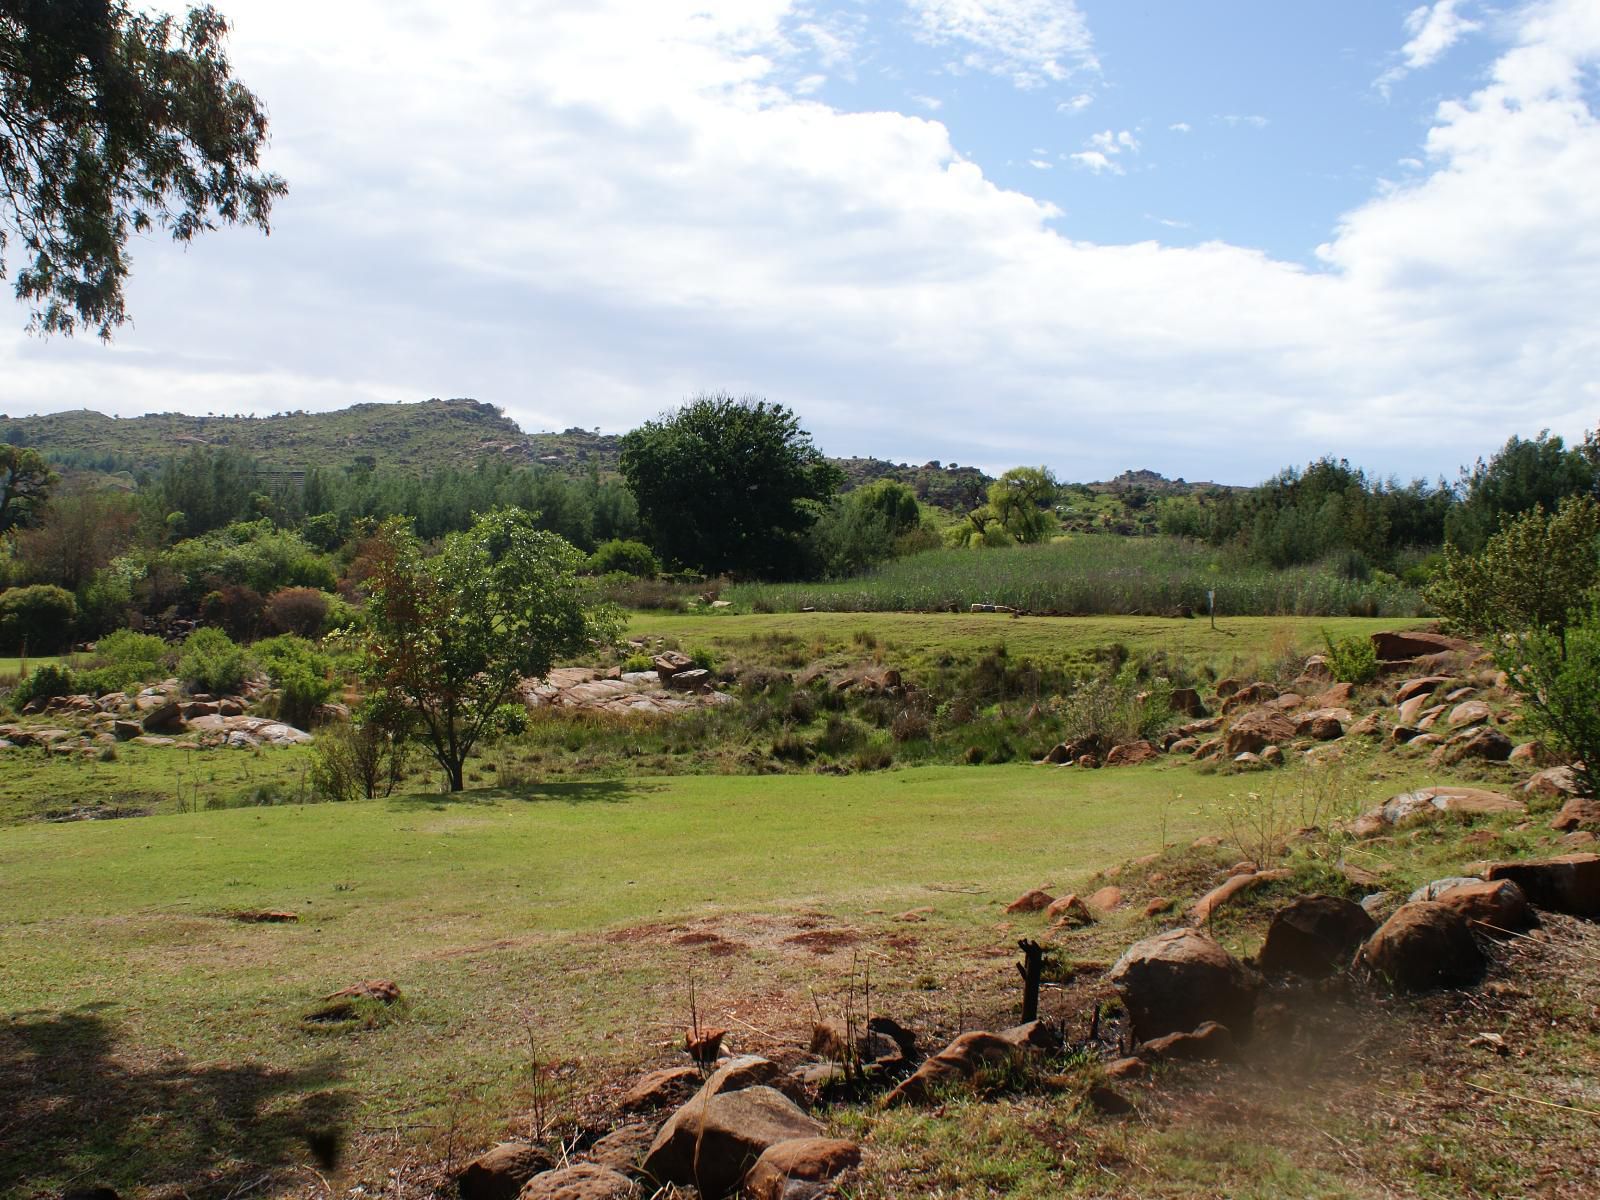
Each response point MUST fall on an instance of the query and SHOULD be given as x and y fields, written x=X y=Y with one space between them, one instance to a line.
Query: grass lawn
x=920 y=639
x=139 y=1015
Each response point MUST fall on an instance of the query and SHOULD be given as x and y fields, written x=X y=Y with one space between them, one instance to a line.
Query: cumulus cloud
x=1030 y=42
x=586 y=210
x=1434 y=29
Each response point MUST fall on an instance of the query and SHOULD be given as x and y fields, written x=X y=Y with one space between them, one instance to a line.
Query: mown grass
x=1089 y=575
x=155 y=1044
x=538 y=917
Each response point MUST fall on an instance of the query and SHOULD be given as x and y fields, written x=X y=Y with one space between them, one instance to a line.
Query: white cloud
x=1097 y=162
x=1181 y=127
x=1030 y=42
x=1103 y=149
x=1075 y=105
x=931 y=103
x=1039 y=164
x=1253 y=120
x=585 y=210
x=1434 y=29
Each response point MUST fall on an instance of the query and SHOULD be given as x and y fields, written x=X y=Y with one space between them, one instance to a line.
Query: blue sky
x=1212 y=238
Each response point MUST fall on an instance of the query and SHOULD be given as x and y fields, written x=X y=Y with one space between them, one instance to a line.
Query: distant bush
x=236 y=609
x=123 y=659
x=300 y=672
x=511 y=720
x=360 y=759
x=1352 y=659
x=39 y=618
x=47 y=680
x=627 y=557
x=297 y=610
x=210 y=661
x=638 y=662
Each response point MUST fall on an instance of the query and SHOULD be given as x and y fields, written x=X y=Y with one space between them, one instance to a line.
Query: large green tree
x=451 y=634
x=115 y=122
x=728 y=485
x=1023 y=501
x=25 y=483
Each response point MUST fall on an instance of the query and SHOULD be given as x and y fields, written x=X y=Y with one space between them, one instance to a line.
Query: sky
x=1211 y=238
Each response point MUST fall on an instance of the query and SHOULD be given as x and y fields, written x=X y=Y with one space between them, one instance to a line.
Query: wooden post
x=1030 y=968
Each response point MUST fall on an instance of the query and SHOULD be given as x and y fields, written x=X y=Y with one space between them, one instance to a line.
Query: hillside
x=413 y=437
x=409 y=437
x=459 y=432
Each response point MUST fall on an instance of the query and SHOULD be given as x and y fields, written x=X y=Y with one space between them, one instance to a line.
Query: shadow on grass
x=573 y=792
x=77 y=1117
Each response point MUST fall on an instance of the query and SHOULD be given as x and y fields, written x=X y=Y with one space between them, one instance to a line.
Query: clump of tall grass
x=1092 y=575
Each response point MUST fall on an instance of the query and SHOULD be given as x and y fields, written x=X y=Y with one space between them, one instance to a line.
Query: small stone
x=1036 y=900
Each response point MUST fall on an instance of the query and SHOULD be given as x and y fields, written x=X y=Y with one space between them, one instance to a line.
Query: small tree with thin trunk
x=450 y=634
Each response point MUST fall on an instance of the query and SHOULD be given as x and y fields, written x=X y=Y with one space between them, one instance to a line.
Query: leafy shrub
x=703 y=658
x=1352 y=659
x=363 y=758
x=211 y=661
x=299 y=610
x=47 y=680
x=625 y=557
x=236 y=609
x=122 y=659
x=510 y=720
x=301 y=673
x=1559 y=678
x=1115 y=707
x=39 y=618
x=638 y=661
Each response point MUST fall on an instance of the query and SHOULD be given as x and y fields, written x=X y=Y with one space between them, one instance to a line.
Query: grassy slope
x=916 y=639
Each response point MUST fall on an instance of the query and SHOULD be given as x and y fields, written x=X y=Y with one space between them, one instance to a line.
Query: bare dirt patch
x=825 y=941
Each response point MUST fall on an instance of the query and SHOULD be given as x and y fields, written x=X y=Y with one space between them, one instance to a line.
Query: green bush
x=510 y=720
x=39 y=618
x=1559 y=679
x=211 y=661
x=1352 y=659
x=629 y=558
x=703 y=659
x=47 y=680
x=300 y=672
x=122 y=659
x=639 y=661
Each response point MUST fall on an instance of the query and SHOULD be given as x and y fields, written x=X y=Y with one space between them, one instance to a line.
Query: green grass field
x=548 y=914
